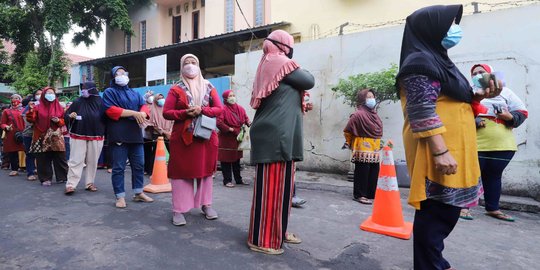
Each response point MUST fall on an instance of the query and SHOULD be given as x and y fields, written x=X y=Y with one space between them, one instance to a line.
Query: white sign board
x=75 y=75
x=156 y=68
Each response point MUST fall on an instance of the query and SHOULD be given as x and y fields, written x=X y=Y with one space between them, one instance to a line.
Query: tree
x=30 y=77
x=383 y=82
x=3 y=63
x=44 y=22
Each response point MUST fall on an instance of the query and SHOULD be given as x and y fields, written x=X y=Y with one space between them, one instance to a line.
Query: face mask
x=38 y=97
x=453 y=37
x=231 y=100
x=15 y=103
x=84 y=93
x=161 y=102
x=150 y=99
x=121 y=80
x=476 y=81
x=191 y=71
x=275 y=42
x=370 y=103
x=50 y=97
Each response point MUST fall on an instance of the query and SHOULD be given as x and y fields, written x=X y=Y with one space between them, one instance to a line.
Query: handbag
x=245 y=141
x=50 y=141
x=204 y=126
x=18 y=134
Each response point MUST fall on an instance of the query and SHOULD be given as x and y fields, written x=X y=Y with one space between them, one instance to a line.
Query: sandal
x=229 y=185
x=466 y=214
x=13 y=173
x=69 y=190
x=363 y=200
x=500 y=215
x=291 y=238
x=91 y=187
x=31 y=178
x=268 y=251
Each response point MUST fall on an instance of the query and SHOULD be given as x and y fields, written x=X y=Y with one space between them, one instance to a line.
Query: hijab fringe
x=284 y=71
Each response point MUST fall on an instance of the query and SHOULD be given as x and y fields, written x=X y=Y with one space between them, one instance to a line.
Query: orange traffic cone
x=387 y=216
x=159 y=182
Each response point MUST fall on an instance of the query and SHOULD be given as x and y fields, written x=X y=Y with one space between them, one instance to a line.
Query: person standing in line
x=276 y=142
x=48 y=142
x=126 y=111
x=27 y=136
x=12 y=123
x=191 y=98
x=230 y=123
x=496 y=141
x=148 y=136
x=160 y=127
x=363 y=135
x=439 y=123
x=87 y=131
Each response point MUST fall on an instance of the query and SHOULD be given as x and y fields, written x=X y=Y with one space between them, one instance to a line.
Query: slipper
x=91 y=187
x=465 y=214
x=363 y=200
x=69 y=190
x=229 y=185
x=500 y=215
x=291 y=238
x=268 y=251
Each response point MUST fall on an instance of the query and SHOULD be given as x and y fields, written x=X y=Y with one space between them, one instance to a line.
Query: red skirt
x=270 y=209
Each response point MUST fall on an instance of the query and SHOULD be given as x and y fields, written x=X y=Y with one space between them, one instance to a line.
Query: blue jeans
x=66 y=141
x=119 y=155
x=30 y=158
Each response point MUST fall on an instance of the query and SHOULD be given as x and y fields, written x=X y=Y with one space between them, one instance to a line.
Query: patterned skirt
x=270 y=209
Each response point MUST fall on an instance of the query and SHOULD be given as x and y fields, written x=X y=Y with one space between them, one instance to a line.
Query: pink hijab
x=196 y=85
x=156 y=117
x=274 y=66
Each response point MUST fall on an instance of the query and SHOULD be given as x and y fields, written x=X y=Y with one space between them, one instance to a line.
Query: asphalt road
x=41 y=228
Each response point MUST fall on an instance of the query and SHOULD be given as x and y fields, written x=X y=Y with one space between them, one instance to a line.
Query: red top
x=190 y=157
x=12 y=117
x=32 y=117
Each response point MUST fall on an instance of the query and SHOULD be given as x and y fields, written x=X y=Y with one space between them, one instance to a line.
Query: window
x=229 y=15
x=128 y=43
x=259 y=12
x=177 y=29
x=143 y=35
x=195 y=20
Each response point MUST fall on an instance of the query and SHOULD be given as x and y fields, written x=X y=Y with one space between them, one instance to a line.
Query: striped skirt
x=272 y=193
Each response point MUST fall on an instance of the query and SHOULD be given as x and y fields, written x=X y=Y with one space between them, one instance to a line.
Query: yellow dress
x=459 y=134
x=363 y=149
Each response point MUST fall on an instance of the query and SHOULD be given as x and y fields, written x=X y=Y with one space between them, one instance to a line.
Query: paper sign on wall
x=156 y=68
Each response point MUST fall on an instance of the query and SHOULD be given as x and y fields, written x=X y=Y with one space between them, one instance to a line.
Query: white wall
x=505 y=39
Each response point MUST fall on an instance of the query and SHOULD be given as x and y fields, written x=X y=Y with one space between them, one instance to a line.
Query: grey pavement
x=41 y=228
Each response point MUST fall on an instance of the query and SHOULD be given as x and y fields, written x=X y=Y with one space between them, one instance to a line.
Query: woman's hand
x=445 y=163
x=140 y=117
x=55 y=119
x=489 y=92
x=8 y=128
x=73 y=115
x=505 y=115
x=167 y=135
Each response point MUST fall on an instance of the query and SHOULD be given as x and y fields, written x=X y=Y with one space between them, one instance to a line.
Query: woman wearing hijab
x=48 y=142
x=87 y=132
x=27 y=137
x=276 y=141
x=126 y=111
x=148 y=136
x=11 y=123
x=160 y=127
x=230 y=123
x=439 y=124
x=363 y=135
x=192 y=97
x=496 y=141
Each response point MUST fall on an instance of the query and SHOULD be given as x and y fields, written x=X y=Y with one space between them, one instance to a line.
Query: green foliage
x=4 y=67
x=30 y=77
x=383 y=82
x=45 y=22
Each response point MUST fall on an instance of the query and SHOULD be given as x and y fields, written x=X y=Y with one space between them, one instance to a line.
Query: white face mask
x=191 y=71
x=231 y=100
x=150 y=99
x=121 y=80
x=371 y=102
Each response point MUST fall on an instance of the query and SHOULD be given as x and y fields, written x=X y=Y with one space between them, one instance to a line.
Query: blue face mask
x=50 y=97
x=453 y=37
x=370 y=103
x=161 y=102
x=476 y=81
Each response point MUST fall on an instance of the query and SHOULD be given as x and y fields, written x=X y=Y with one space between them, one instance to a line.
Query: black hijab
x=422 y=51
